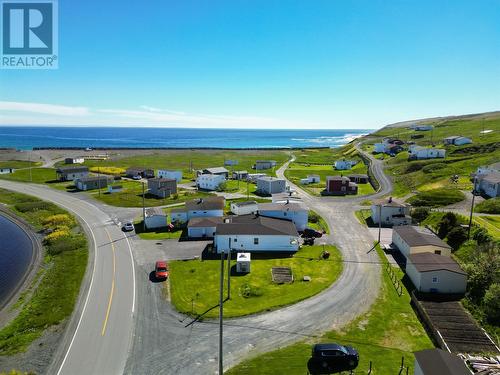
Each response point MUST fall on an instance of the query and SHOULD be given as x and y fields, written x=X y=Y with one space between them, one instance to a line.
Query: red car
x=161 y=270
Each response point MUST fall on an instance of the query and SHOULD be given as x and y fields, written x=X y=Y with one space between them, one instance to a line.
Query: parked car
x=128 y=226
x=309 y=241
x=309 y=232
x=332 y=358
x=161 y=270
x=137 y=177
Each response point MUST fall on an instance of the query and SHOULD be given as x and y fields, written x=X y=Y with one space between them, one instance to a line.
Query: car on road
x=309 y=232
x=137 y=178
x=128 y=226
x=332 y=358
x=161 y=270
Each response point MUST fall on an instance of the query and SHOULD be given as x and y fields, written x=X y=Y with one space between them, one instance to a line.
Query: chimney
x=390 y=199
x=287 y=201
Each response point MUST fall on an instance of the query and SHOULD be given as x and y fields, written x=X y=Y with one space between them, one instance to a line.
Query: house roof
x=94 y=178
x=265 y=161
x=452 y=137
x=155 y=211
x=427 y=262
x=414 y=237
x=246 y=203
x=358 y=175
x=495 y=166
x=216 y=170
x=337 y=178
x=202 y=222
x=493 y=178
x=439 y=362
x=286 y=206
x=72 y=169
x=160 y=180
x=137 y=169
x=209 y=203
x=270 y=178
x=240 y=172
x=389 y=202
x=257 y=225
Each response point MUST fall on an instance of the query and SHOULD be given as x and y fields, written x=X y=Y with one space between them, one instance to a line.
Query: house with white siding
x=392 y=212
x=93 y=182
x=256 y=233
x=215 y=170
x=345 y=164
x=412 y=240
x=210 y=181
x=419 y=152
x=457 y=140
x=244 y=208
x=6 y=170
x=155 y=218
x=270 y=185
x=293 y=212
x=202 y=207
x=310 y=179
x=170 y=174
x=433 y=273
x=488 y=184
x=203 y=227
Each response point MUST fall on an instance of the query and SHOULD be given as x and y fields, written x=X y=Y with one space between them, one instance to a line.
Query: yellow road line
x=112 y=285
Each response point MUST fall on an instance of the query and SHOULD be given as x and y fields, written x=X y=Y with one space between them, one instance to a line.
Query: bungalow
x=388 y=141
x=488 y=184
x=162 y=187
x=359 y=178
x=457 y=140
x=344 y=164
x=393 y=149
x=487 y=169
x=419 y=152
x=253 y=177
x=143 y=172
x=155 y=218
x=270 y=185
x=412 y=240
x=439 y=362
x=433 y=273
x=203 y=227
x=393 y=212
x=244 y=208
x=77 y=160
x=230 y=163
x=310 y=179
x=6 y=170
x=340 y=185
x=264 y=164
x=287 y=211
x=209 y=181
x=167 y=173
x=256 y=233
x=71 y=173
x=92 y=182
x=215 y=171
x=202 y=207
x=240 y=175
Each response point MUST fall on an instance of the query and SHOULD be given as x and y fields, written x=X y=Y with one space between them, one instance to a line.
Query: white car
x=128 y=226
x=136 y=177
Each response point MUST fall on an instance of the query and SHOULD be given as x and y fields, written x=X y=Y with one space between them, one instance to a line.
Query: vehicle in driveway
x=332 y=358
x=128 y=226
x=161 y=270
x=137 y=178
x=309 y=232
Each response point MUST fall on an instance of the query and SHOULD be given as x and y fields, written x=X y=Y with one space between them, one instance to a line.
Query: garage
x=203 y=227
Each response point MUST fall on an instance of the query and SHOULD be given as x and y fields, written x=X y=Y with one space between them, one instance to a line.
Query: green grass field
x=16 y=164
x=436 y=198
x=51 y=297
x=364 y=216
x=389 y=331
x=489 y=206
x=491 y=223
x=194 y=283
x=38 y=175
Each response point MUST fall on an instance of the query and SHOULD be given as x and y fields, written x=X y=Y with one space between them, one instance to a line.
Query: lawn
x=194 y=283
x=489 y=206
x=51 y=297
x=436 y=198
x=491 y=223
x=316 y=221
x=17 y=164
x=389 y=331
x=38 y=175
x=364 y=217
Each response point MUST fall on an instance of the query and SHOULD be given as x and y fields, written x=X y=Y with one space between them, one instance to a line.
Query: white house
x=244 y=208
x=155 y=218
x=6 y=170
x=423 y=128
x=270 y=185
x=170 y=174
x=293 y=212
x=310 y=179
x=253 y=177
x=215 y=170
x=379 y=147
x=256 y=233
x=439 y=362
x=393 y=212
x=488 y=169
x=210 y=181
x=457 y=140
x=412 y=240
x=419 y=152
x=203 y=227
x=489 y=184
x=432 y=273
x=345 y=164
x=264 y=164
x=77 y=160
x=202 y=207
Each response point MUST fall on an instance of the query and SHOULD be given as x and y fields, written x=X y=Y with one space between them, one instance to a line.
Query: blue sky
x=271 y=64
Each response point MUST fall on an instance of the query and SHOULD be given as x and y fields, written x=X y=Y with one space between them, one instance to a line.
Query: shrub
x=56 y=236
x=249 y=290
x=491 y=303
x=68 y=243
x=59 y=220
x=489 y=206
x=414 y=167
x=420 y=214
x=447 y=223
x=481 y=235
x=433 y=167
x=108 y=170
x=456 y=237
x=313 y=217
x=33 y=206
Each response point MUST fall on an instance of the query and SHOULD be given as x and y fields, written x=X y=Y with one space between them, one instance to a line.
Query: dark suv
x=332 y=358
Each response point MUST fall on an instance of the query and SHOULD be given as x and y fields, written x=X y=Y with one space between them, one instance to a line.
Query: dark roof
x=358 y=175
x=203 y=204
x=280 y=207
x=205 y=222
x=337 y=178
x=152 y=211
x=439 y=362
x=414 y=237
x=72 y=169
x=160 y=179
x=246 y=203
x=389 y=202
x=426 y=262
x=94 y=178
x=255 y=225
x=494 y=177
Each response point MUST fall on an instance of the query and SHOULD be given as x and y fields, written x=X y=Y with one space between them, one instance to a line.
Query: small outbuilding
x=138 y=171
x=243 y=263
x=359 y=178
x=6 y=170
x=489 y=184
x=264 y=164
x=344 y=164
x=92 y=182
x=240 y=175
x=77 y=160
x=155 y=218
x=114 y=188
x=244 y=208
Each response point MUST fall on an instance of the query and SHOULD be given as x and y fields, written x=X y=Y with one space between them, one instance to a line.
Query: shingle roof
x=152 y=211
x=414 y=237
x=204 y=222
x=426 y=262
x=337 y=177
x=257 y=225
x=280 y=207
x=160 y=179
x=210 y=203
x=389 y=202
x=358 y=175
x=439 y=362
x=246 y=203
x=270 y=178
x=94 y=178
x=494 y=177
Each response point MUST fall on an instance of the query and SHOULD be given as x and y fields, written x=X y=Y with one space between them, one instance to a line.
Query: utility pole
x=229 y=270
x=472 y=208
x=221 y=312
x=31 y=176
x=143 y=209
x=379 y=221
x=248 y=190
x=99 y=180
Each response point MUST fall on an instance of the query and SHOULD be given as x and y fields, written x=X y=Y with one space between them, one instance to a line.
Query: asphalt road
x=100 y=331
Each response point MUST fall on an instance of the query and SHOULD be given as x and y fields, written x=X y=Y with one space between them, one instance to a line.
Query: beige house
x=413 y=240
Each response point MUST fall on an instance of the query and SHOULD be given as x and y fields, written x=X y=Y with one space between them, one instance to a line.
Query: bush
x=456 y=237
x=68 y=243
x=313 y=217
x=59 y=220
x=437 y=198
x=108 y=170
x=447 y=223
x=489 y=206
x=433 y=167
x=481 y=235
x=491 y=303
x=249 y=290
x=414 y=167
x=33 y=206
x=420 y=214
x=56 y=236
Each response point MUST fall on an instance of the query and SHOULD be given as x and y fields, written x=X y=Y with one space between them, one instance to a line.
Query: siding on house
x=270 y=185
x=210 y=181
x=71 y=173
x=412 y=240
x=170 y=174
x=155 y=218
x=287 y=211
x=244 y=208
x=393 y=212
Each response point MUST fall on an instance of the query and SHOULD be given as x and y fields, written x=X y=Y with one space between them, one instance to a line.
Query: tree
x=419 y=214
x=491 y=303
x=481 y=235
x=456 y=237
x=448 y=221
x=483 y=271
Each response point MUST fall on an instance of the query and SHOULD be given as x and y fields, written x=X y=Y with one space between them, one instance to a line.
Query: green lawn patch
x=316 y=221
x=489 y=206
x=53 y=299
x=194 y=283
x=436 y=198
x=364 y=216
x=16 y=164
x=389 y=331
x=38 y=175
x=491 y=223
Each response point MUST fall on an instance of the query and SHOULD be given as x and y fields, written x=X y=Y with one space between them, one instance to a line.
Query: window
x=284 y=213
x=438 y=252
x=256 y=241
x=235 y=239
x=435 y=279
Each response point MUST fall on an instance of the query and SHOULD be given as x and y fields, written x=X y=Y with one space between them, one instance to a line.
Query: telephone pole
x=31 y=176
x=379 y=221
x=143 y=209
x=472 y=208
x=229 y=270
x=221 y=312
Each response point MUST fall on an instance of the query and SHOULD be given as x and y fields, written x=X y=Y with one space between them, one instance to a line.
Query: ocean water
x=118 y=137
